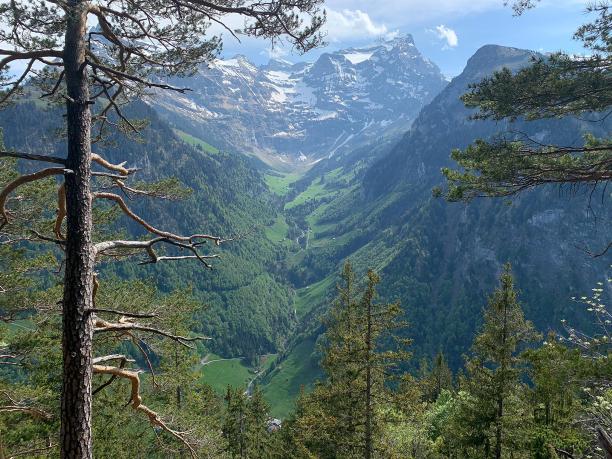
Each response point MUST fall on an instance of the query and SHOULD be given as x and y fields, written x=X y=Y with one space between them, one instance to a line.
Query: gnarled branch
x=147 y=246
x=136 y=401
x=150 y=228
x=22 y=180
x=124 y=325
x=124 y=171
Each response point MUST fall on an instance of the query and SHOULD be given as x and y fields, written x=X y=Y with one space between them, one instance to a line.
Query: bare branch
x=8 y=189
x=112 y=167
x=102 y=326
x=136 y=401
x=104 y=247
x=125 y=314
x=165 y=234
x=28 y=156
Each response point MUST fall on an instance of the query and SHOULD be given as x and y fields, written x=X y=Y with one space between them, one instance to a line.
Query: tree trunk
x=76 y=439
x=498 y=429
x=368 y=423
x=605 y=441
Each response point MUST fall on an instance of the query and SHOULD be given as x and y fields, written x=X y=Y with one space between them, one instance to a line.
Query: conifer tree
x=436 y=379
x=494 y=374
x=556 y=376
x=245 y=427
x=343 y=416
x=552 y=86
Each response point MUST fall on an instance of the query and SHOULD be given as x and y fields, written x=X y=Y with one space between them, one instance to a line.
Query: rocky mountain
x=296 y=114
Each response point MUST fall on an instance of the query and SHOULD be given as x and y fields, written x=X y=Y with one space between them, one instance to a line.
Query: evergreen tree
x=556 y=374
x=492 y=409
x=245 y=427
x=439 y=378
x=553 y=86
x=343 y=417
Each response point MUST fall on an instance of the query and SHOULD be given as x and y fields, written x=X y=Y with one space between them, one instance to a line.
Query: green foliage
x=344 y=415
x=245 y=426
x=550 y=87
x=493 y=411
x=196 y=142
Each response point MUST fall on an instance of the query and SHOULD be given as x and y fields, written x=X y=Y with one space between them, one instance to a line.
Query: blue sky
x=446 y=31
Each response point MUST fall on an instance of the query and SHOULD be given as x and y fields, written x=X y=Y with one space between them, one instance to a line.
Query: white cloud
x=277 y=51
x=400 y=13
x=447 y=34
x=349 y=24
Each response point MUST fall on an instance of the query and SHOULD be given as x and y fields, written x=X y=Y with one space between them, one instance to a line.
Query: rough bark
x=76 y=438
x=369 y=408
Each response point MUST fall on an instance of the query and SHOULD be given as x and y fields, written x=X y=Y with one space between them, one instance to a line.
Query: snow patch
x=358 y=57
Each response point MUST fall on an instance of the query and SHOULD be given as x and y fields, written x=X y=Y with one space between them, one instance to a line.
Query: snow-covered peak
x=305 y=111
x=277 y=64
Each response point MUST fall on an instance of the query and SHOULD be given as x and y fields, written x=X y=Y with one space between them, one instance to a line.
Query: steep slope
x=441 y=259
x=295 y=114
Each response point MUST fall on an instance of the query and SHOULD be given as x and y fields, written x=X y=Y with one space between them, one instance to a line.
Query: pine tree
x=552 y=86
x=440 y=377
x=343 y=416
x=492 y=410
x=556 y=374
x=245 y=427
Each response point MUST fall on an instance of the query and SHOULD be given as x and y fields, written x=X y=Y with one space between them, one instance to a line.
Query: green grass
x=220 y=374
x=233 y=372
x=195 y=142
x=296 y=371
x=279 y=182
x=278 y=231
x=312 y=295
x=315 y=190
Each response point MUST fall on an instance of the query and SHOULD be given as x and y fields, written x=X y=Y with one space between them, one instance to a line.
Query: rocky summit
x=292 y=115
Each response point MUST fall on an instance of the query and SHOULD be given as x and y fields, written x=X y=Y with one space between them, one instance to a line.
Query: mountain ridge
x=294 y=115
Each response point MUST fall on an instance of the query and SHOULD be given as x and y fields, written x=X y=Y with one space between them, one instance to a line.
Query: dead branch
x=134 y=191
x=124 y=325
x=104 y=247
x=22 y=180
x=108 y=358
x=136 y=401
x=112 y=167
x=123 y=313
x=31 y=157
x=150 y=228
x=122 y=361
x=111 y=379
x=61 y=211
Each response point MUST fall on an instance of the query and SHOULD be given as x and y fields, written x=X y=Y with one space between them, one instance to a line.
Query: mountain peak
x=277 y=64
x=404 y=39
x=490 y=58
